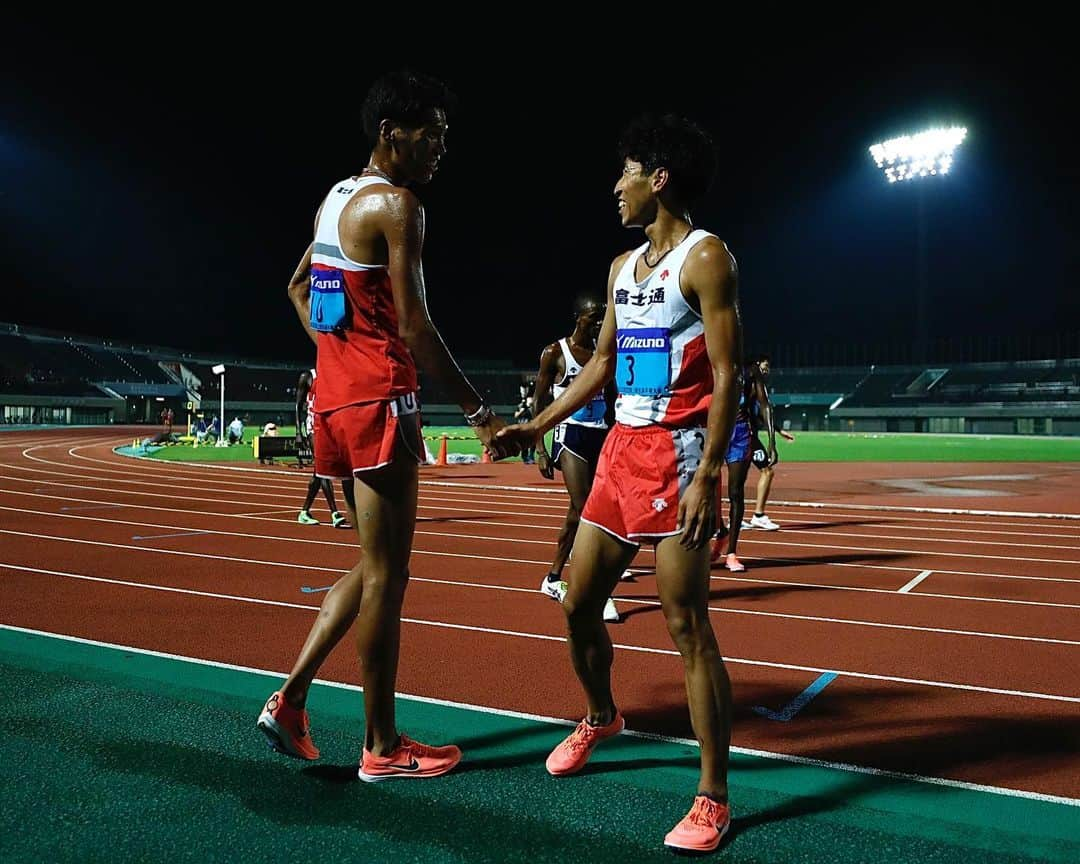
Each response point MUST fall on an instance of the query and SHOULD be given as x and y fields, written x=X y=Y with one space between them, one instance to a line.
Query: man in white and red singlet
x=578 y=440
x=359 y=291
x=671 y=338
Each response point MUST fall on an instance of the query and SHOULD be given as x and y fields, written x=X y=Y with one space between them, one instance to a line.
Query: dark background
x=160 y=187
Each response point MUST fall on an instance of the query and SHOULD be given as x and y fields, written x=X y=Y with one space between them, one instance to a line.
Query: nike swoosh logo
x=412 y=766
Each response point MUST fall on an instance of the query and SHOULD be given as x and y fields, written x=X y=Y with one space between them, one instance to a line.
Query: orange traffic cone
x=441 y=460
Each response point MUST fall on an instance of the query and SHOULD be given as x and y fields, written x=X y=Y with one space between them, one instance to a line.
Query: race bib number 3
x=643 y=365
x=328 y=307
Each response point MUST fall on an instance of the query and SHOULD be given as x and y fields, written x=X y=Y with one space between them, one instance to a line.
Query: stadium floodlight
x=924 y=154
x=219 y=369
x=913 y=157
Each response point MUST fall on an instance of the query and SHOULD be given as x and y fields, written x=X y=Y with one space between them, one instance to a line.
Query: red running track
x=971 y=673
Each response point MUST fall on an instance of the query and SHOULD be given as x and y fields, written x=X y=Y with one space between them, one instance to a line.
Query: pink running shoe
x=734 y=564
x=572 y=754
x=287 y=729
x=410 y=759
x=702 y=829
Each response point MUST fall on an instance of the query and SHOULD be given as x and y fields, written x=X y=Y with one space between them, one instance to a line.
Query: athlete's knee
x=583 y=613
x=690 y=631
x=384 y=581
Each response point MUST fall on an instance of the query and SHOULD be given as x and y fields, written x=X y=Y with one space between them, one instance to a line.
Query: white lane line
x=561 y=638
x=915 y=581
x=689 y=742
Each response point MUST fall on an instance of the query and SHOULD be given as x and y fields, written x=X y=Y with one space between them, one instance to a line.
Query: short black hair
x=583 y=300
x=407 y=98
x=675 y=143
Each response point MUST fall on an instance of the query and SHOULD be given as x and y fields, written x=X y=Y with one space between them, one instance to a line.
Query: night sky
x=162 y=189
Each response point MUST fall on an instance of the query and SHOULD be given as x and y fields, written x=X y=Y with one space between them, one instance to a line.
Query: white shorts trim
x=657 y=537
x=357 y=471
x=651 y=534
x=577 y=456
x=608 y=531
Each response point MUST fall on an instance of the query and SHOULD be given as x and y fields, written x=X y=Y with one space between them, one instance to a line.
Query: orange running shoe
x=287 y=729
x=702 y=829
x=572 y=754
x=409 y=759
x=734 y=564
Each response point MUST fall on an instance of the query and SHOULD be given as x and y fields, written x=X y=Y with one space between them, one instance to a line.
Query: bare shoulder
x=711 y=255
x=378 y=219
x=551 y=354
x=617 y=266
x=391 y=200
x=620 y=261
x=709 y=265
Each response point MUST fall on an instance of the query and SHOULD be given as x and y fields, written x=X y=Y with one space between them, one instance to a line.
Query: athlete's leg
x=577 y=477
x=736 y=482
x=764 y=484
x=682 y=579
x=383 y=508
x=599 y=559
x=328 y=493
x=313 y=486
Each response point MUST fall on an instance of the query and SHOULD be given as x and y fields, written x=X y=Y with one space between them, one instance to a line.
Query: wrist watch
x=480 y=416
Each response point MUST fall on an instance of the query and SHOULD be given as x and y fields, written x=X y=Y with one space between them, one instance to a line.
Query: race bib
x=643 y=364
x=402 y=406
x=592 y=412
x=329 y=309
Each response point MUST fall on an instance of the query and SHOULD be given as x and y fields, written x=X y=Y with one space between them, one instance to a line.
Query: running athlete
x=764 y=459
x=671 y=338
x=359 y=292
x=737 y=460
x=577 y=440
x=305 y=429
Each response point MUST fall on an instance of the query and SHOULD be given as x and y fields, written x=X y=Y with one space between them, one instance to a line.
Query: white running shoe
x=627 y=575
x=764 y=523
x=611 y=614
x=745 y=526
x=554 y=590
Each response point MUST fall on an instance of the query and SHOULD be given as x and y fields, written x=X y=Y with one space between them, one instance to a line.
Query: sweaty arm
x=711 y=277
x=404 y=233
x=545 y=378
x=300 y=293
